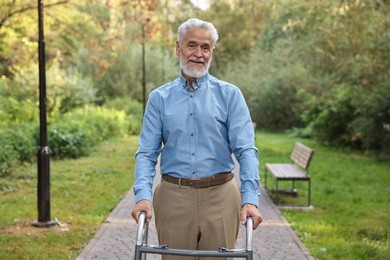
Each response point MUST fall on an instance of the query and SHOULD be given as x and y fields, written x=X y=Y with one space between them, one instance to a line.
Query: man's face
x=195 y=53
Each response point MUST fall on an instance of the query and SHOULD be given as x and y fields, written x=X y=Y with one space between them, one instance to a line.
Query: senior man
x=196 y=123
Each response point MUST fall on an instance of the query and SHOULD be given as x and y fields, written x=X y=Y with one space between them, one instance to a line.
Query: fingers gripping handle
x=142 y=229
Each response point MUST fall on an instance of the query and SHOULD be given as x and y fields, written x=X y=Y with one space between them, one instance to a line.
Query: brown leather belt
x=200 y=183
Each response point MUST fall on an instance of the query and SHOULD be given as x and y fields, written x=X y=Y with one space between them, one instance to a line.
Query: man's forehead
x=198 y=35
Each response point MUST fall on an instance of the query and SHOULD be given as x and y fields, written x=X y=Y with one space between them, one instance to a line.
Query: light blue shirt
x=196 y=134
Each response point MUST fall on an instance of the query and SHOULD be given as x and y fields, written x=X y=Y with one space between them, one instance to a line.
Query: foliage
x=320 y=65
x=275 y=87
x=80 y=130
x=13 y=111
x=133 y=110
x=83 y=192
x=64 y=27
x=18 y=144
x=355 y=60
x=113 y=58
x=65 y=89
x=373 y=122
x=118 y=73
x=73 y=135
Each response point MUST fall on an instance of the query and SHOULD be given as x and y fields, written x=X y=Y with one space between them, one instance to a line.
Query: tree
x=18 y=38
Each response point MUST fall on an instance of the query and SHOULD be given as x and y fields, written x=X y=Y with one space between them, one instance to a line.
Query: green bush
x=8 y=158
x=18 y=144
x=66 y=89
x=373 y=121
x=72 y=136
x=133 y=110
x=79 y=131
x=330 y=123
x=68 y=140
x=13 y=111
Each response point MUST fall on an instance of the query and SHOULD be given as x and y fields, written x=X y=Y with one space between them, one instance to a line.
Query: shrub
x=13 y=111
x=74 y=135
x=373 y=122
x=80 y=130
x=330 y=123
x=18 y=144
x=66 y=88
x=133 y=110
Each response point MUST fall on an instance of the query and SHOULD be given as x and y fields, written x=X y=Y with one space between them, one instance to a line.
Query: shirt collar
x=198 y=83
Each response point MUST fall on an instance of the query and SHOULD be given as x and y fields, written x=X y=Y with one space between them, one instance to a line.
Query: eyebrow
x=201 y=44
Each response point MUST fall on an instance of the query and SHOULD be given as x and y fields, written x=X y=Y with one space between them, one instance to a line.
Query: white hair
x=196 y=23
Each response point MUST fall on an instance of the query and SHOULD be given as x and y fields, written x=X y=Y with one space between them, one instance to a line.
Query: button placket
x=192 y=131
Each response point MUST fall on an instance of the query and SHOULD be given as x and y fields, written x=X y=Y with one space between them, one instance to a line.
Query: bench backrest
x=302 y=155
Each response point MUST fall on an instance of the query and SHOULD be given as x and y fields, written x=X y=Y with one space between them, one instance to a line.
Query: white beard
x=192 y=72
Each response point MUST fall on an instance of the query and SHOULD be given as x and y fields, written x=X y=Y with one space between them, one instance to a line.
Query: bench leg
x=309 y=193
x=276 y=193
x=265 y=178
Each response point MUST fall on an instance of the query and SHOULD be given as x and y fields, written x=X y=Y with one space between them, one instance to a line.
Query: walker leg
x=137 y=255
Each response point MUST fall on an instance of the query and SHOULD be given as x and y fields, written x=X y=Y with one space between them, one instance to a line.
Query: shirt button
x=192 y=134
x=190 y=114
x=193 y=172
x=190 y=96
x=193 y=154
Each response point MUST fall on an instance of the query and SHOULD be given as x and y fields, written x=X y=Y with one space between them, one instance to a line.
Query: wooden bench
x=297 y=170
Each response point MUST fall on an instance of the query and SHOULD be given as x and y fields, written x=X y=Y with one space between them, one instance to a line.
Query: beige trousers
x=197 y=219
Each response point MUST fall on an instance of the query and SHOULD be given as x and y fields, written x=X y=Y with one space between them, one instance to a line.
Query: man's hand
x=142 y=205
x=249 y=210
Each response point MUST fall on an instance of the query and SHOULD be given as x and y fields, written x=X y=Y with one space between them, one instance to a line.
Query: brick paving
x=274 y=239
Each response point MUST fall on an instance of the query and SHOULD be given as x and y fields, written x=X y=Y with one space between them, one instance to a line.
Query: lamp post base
x=45 y=224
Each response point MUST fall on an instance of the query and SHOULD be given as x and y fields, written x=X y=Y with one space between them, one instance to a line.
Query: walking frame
x=142 y=248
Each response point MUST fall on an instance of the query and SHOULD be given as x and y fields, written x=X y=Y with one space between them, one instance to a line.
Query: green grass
x=350 y=195
x=83 y=192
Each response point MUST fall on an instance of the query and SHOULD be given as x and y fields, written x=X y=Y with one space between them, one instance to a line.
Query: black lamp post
x=43 y=151
x=144 y=24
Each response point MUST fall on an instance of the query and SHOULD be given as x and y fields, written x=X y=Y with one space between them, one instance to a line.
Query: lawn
x=83 y=192
x=350 y=195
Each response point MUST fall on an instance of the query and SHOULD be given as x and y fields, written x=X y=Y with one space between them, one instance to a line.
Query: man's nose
x=198 y=51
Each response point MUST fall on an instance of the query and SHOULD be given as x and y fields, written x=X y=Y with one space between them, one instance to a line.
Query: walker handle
x=141 y=229
x=249 y=235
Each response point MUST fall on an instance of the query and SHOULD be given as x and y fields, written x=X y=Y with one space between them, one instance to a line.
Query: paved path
x=274 y=239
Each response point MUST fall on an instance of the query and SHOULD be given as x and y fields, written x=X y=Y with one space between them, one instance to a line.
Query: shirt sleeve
x=146 y=156
x=242 y=141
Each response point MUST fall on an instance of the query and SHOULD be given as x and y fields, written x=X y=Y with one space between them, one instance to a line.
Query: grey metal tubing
x=249 y=234
x=142 y=236
x=142 y=247
x=202 y=253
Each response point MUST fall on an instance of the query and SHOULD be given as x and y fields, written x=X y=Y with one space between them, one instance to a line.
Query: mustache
x=197 y=59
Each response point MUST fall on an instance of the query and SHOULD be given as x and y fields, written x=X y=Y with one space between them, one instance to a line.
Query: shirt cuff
x=143 y=195
x=250 y=198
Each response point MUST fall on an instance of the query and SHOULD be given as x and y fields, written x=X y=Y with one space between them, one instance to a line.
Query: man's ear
x=177 y=49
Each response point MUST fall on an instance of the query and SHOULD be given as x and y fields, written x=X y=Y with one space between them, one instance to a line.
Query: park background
x=314 y=71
